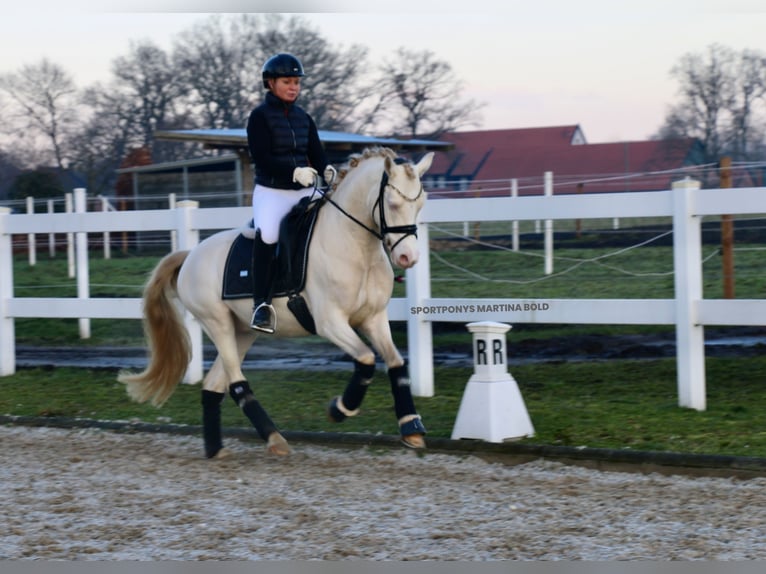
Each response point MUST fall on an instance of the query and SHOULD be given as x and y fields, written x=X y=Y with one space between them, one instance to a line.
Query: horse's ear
x=425 y=162
x=388 y=165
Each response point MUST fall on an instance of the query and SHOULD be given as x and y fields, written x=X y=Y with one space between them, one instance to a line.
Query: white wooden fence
x=688 y=311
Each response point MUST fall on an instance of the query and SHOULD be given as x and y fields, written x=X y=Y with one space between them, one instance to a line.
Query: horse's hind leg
x=242 y=394
x=226 y=374
x=211 y=423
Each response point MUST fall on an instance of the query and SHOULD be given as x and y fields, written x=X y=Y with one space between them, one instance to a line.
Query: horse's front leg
x=339 y=332
x=378 y=331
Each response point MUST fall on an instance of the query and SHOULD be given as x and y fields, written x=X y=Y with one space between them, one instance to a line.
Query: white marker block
x=492 y=408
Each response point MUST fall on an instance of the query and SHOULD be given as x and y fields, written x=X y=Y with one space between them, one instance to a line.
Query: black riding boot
x=264 y=318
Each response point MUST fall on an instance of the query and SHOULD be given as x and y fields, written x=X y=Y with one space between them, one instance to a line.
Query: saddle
x=292 y=256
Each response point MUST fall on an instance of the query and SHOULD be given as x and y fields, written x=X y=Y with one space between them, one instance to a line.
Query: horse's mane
x=371 y=152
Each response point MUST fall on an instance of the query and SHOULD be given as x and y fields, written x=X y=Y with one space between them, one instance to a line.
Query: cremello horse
x=367 y=225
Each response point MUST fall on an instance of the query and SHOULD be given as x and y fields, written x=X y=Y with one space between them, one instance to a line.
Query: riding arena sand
x=92 y=494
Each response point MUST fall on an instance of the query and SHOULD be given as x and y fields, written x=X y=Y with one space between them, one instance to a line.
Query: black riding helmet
x=281 y=66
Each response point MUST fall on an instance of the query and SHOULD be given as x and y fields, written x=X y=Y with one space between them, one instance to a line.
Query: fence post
x=687 y=265
x=173 y=232
x=727 y=235
x=548 y=236
x=81 y=255
x=515 y=222
x=419 y=332
x=188 y=238
x=578 y=222
x=7 y=325
x=69 y=208
x=51 y=236
x=31 y=239
x=107 y=236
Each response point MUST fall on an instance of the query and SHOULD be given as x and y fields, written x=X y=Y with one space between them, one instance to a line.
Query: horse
x=366 y=227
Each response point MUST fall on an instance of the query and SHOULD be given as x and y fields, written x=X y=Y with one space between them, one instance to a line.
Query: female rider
x=287 y=155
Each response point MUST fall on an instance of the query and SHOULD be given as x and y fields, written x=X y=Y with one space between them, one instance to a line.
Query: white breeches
x=270 y=205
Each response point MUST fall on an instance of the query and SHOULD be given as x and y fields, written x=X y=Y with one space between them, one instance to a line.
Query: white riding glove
x=330 y=173
x=304 y=175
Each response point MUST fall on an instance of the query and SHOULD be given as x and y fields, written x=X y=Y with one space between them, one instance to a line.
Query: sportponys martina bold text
x=481 y=308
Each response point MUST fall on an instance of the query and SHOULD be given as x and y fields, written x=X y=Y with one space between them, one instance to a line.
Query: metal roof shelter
x=338 y=145
x=334 y=142
x=180 y=177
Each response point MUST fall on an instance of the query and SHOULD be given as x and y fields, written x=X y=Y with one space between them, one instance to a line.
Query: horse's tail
x=168 y=339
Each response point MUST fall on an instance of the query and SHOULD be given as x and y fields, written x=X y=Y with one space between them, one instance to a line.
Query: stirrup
x=264 y=324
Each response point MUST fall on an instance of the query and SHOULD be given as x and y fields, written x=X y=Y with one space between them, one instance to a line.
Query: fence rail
x=686 y=204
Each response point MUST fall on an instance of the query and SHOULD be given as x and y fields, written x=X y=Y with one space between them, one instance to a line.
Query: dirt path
x=98 y=495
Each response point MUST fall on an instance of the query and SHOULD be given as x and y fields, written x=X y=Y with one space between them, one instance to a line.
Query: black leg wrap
x=211 y=422
x=354 y=394
x=245 y=399
x=400 y=388
x=357 y=386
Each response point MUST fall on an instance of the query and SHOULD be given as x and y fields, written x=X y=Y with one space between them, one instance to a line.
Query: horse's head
x=389 y=208
x=401 y=199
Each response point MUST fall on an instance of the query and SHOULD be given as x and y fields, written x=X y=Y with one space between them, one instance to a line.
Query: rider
x=287 y=155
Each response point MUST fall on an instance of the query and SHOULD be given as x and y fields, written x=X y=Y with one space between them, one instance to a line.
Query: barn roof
x=529 y=153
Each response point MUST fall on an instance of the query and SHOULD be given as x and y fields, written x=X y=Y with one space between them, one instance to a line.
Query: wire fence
x=216 y=189
x=610 y=241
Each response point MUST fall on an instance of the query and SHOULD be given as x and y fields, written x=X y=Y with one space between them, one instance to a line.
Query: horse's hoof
x=334 y=414
x=222 y=454
x=412 y=431
x=278 y=445
x=414 y=441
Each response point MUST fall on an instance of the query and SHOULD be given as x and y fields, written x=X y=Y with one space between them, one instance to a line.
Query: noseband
x=385 y=229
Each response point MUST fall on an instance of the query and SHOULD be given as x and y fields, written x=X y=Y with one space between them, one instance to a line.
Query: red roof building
x=485 y=162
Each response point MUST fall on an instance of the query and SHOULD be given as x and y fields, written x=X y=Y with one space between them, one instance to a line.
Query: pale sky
x=602 y=64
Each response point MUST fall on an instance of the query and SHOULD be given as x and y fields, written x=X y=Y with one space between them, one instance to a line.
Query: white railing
x=688 y=311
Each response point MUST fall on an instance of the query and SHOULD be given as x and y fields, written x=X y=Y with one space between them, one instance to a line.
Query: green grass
x=615 y=404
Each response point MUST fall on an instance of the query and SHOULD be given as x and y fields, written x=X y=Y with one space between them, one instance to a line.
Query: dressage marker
x=492 y=407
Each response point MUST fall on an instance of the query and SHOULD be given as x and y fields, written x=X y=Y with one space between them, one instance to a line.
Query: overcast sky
x=602 y=64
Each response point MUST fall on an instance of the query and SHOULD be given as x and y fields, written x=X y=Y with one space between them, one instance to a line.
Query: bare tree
x=748 y=123
x=9 y=171
x=212 y=79
x=44 y=98
x=420 y=95
x=219 y=62
x=148 y=83
x=105 y=138
x=721 y=99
